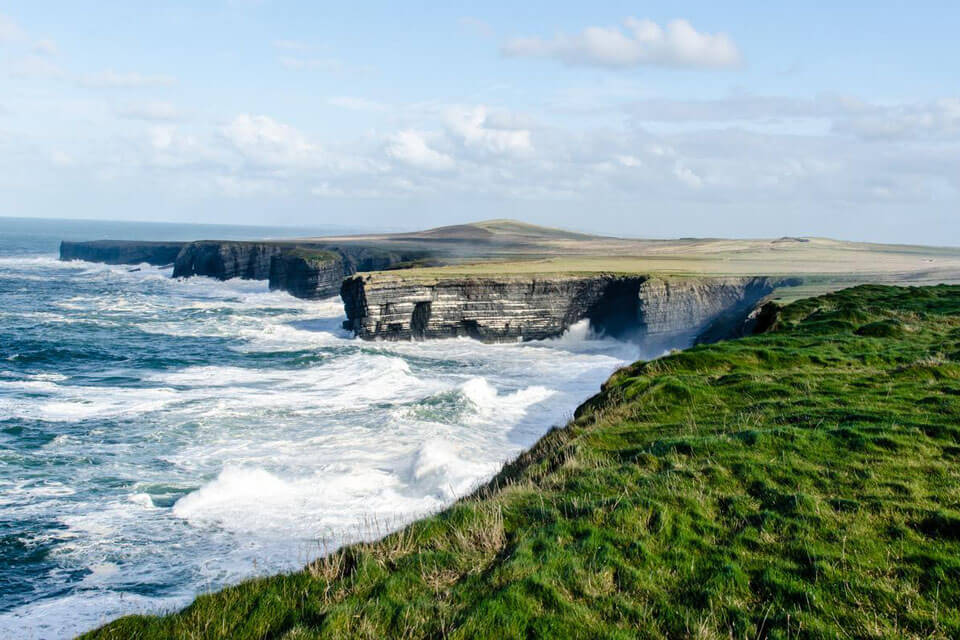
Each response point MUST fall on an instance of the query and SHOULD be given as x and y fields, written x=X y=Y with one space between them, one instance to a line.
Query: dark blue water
x=160 y=437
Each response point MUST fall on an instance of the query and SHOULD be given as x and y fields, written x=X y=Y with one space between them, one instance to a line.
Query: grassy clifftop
x=800 y=483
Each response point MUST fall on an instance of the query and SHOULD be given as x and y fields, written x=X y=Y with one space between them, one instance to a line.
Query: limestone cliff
x=664 y=312
x=121 y=251
x=308 y=274
x=492 y=309
x=225 y=260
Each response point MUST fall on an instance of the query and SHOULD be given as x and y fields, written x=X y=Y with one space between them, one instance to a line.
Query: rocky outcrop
x=121 y=251
x=226 y=260
x=493 y=309
x=662 y=312
x=308 y=274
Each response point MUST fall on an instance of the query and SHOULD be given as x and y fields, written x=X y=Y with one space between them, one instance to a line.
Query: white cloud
x=938 y=119
x=45 y=47
x=741 y=106
x=474 y=127
x=152 y=112
x=327 y=65
x=10 y=31
x=640 y=42
x=263 y=140
x=60 y=158
x=411 y=147
x=238 y=187
x=291 y=45
x=130 y=80
x=33 y=66
x=356 y=104
x=686 y=176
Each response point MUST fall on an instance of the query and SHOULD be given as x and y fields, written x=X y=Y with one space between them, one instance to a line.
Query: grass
x=802 y=483
x=310 y=254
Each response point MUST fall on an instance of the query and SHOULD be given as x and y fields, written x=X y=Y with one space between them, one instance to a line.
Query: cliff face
x=664 y=312
x=307 y=271
x=488 y=309
x=677 y=312
x=308 y=275
x=121 y=251
x=225 y=260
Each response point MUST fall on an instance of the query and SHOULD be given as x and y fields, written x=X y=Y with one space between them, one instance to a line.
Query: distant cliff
x=226 y=260
x=305 y=270
x=121 y=251
x=662 y=311
x=308 y=274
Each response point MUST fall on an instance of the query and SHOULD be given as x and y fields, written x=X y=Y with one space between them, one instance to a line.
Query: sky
x=642 y=119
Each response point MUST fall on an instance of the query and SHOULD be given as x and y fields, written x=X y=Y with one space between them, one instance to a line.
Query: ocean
x=162 y=438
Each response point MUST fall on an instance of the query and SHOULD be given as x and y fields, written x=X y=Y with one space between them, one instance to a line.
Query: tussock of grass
x=803 y=483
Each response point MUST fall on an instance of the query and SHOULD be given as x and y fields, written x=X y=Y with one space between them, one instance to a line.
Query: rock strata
x=308 y=275
x=662 y=312
x=226 y=260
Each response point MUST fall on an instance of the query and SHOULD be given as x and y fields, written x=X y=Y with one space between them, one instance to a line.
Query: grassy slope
x=800 y=483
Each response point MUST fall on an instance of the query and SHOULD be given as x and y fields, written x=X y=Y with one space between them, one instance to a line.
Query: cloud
x=411 y=147
x=130 y=80
x=33 y=66
x=356 y=104
x=291 y=45
x=60 y=158
x=265 y=141
x=474 y=127
x=638 y=43
x=327 y=65
x=740 y=107
x=10 y=31
x=937 y=119
x=239 y=187
x=152 y=112
x=476 y=25
x=45 y=47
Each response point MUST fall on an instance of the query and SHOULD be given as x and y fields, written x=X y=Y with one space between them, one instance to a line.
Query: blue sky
x=642 y=119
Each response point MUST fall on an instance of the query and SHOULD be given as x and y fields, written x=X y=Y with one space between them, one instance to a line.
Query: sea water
x=161 y=438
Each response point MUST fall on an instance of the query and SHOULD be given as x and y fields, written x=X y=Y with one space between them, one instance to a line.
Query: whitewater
x=161 y=438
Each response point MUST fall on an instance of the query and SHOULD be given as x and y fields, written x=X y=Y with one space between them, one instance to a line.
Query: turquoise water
x=160 y=438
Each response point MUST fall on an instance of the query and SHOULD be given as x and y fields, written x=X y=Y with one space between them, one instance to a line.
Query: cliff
x=225 y=260
x=306 y=269
x=489 y=309
x=121 y=251
x=308 y=274
x=669 y=311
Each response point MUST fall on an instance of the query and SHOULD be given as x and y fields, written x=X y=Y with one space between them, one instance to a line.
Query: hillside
x=799 y=483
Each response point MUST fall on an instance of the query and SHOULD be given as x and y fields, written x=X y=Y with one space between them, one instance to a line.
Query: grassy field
x=511 y=248
x=802 y=483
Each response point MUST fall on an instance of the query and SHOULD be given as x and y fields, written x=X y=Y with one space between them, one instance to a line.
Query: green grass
x=803 y=483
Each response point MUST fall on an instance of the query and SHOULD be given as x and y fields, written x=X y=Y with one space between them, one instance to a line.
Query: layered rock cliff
x=489 y=309
x=121 y=251
x=310 y=275
x=226 y=260
x=664 y=312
